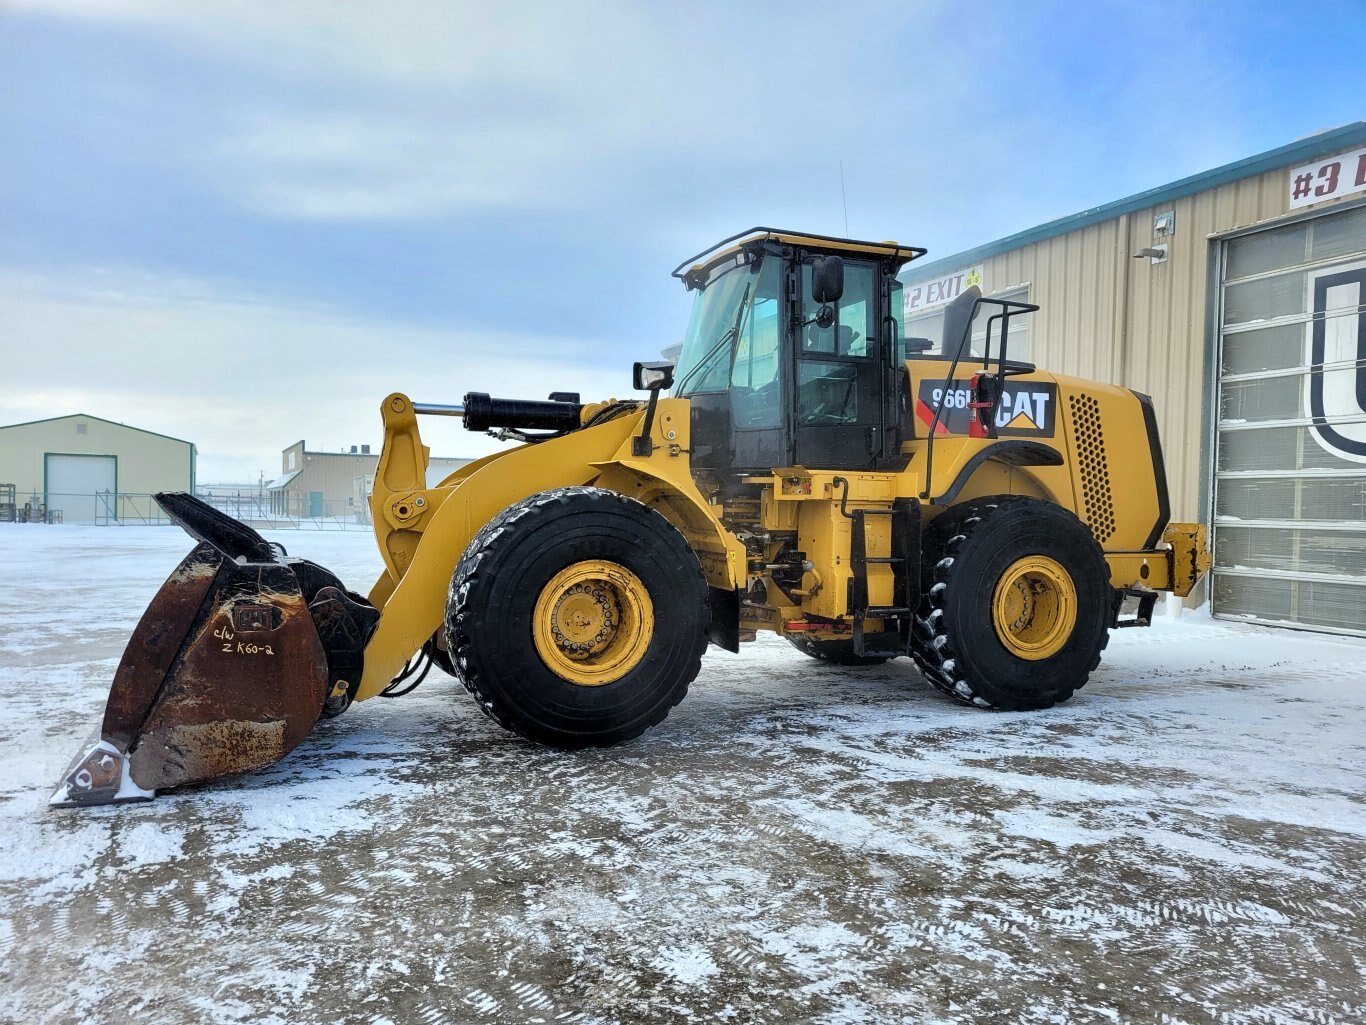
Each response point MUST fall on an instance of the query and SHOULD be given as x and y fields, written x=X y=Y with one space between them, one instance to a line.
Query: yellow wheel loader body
x=815 y=474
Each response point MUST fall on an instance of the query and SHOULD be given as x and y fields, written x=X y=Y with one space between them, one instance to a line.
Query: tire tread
x=934 y=650
x=467 y=615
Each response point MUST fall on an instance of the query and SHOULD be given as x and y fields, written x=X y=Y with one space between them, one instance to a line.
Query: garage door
x=74 y=482
x=1290 y=462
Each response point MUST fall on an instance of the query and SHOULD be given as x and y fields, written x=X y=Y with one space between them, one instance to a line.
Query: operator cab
x=794 y=354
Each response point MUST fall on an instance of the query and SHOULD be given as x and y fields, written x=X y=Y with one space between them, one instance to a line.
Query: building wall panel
x=147 y=462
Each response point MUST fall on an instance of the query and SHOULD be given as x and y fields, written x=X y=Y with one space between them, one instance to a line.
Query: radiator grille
x=1098 y=508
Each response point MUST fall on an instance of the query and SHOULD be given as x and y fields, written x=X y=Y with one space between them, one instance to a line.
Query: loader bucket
x=228 y=669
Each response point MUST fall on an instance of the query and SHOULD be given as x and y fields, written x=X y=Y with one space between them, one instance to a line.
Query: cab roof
x=695 y=267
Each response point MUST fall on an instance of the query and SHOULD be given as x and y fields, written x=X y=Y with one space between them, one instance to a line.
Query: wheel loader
x=805 y=469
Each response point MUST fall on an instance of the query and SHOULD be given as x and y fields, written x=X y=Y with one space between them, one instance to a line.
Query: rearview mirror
x=827 y=279
x=958 y=319
x=653 y=376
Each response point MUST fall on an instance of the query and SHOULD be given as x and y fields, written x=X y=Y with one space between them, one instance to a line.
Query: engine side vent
x=1098 y=508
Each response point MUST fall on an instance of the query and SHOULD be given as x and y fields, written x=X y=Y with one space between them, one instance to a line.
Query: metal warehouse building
x=93 y=470
x=1236 y=298
x=332 y=484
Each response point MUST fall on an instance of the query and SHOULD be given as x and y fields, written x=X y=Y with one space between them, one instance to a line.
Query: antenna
x=845 y=200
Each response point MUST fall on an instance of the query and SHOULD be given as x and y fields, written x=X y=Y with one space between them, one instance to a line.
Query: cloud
x=951 y=128
x=243 y=378
x=357 y=112
x=417 y=42
x=367 y=166
x=365 y=113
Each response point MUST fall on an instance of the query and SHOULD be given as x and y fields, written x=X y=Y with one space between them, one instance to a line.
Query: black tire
x=955 y=641
x=493 y=600
x=838 y=653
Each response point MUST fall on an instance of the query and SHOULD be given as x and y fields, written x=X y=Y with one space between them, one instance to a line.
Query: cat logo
x=1026 y=409
x=1335 y=387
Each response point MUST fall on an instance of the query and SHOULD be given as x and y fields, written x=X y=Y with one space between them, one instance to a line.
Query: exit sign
x=924 y=294
x=1331 y=178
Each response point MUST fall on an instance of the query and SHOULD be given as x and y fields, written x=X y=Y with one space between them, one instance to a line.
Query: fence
x=118 y=508
x=123 y=509
x=284 y=511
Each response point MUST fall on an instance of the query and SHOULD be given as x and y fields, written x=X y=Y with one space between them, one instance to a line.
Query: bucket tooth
x=98 y=775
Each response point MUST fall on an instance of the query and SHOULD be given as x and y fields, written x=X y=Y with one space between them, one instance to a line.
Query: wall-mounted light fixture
x=1155 y=254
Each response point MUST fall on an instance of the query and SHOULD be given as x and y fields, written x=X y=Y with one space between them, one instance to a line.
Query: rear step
x=1143 y=614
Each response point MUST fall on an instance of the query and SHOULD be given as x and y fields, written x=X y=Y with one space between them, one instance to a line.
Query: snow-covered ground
x=1182 y=842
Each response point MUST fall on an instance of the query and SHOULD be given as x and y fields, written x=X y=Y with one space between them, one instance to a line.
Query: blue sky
x=245 y=222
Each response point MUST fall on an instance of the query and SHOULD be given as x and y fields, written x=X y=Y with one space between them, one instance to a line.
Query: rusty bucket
x=229 y=668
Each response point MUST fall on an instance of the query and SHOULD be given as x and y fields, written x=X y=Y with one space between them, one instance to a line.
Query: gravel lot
x=1182 y=842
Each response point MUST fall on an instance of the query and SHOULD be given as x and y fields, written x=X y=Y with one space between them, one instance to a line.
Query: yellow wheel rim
x=1034 y=609
x=593 y=623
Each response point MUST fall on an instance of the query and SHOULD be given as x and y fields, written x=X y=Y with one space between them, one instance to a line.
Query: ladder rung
x=885 y=611
x=884 y=561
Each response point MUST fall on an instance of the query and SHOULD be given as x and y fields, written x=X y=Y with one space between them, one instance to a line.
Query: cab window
x=754 y=387
x=827 y=393
x=857 y=315
x=705 y=359
x=834 y=361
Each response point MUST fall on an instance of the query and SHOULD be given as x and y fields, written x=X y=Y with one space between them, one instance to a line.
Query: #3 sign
x=1331 y=178
x=1335 y=388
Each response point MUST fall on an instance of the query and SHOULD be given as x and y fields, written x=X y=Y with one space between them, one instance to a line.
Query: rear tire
x=577 y=617
x=1017 y=605
x=837 y=653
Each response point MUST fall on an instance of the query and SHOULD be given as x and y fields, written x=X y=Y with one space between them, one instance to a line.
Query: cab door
x=839 y=374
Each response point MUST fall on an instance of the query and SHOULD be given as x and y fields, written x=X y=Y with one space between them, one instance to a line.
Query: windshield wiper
x=731 y=333
x=721 y=342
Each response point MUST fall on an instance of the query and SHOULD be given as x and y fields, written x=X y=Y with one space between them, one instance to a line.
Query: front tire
x=1017 y=605
x=578 y=617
